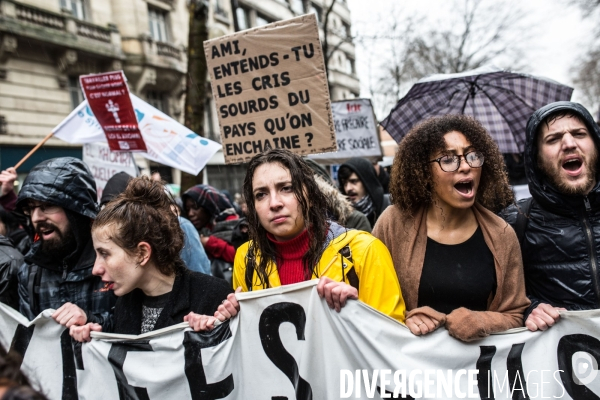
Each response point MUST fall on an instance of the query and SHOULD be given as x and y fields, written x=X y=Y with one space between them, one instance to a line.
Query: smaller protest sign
x=270 y=89
x=108 y=97
x=355 y=132
x=104 y=164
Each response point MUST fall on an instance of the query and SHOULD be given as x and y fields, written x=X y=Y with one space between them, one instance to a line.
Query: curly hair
x=144 y=213
x=313 y=211
x=411 y=183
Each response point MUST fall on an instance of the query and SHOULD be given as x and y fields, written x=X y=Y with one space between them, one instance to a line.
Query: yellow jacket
x=377 y=280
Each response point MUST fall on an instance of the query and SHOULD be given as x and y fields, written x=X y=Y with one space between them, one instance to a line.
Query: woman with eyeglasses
x=458 y=264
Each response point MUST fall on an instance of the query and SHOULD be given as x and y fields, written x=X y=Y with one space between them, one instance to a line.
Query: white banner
x=104 y=164
x=287 y=344
x=355 y=131
x=168 y=141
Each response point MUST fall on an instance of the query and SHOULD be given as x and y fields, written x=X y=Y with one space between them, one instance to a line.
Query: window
x=158 y=100
x=76 y=7
x=243 y=18
x=157 y=20
x=220 y=10
x=350 y=66
x=313 y=8
x=262 y=20
x=346 y=30
x=75 y=92
x=297 y=6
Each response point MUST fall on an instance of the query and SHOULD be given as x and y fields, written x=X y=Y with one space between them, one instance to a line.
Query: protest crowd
x=447 y=248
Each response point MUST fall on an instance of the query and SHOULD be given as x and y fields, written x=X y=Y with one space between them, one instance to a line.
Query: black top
x=458 y=275
x=192 y=291
x=152 y=306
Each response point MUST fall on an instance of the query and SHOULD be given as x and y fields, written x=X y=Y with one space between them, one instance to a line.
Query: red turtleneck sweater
x=289 y=265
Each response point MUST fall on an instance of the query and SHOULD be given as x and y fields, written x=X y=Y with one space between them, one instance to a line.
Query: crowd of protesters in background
x=449 y=245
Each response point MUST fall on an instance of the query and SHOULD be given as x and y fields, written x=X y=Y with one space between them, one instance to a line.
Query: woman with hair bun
x=458 y=263
x=138 y=240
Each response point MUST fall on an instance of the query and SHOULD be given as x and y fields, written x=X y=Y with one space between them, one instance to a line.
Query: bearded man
x=559 y=227
x=59 y=198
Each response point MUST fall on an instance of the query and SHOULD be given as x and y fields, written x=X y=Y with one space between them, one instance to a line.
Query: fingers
x=542 y=317
x=335 y=293
x=422 y=324
x=82 y=333
x=200 y=322
x=69 y=314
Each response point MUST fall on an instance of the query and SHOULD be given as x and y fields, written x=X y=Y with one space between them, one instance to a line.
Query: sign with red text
x=104 y=164
x=108 y=97
x=355 y=131
x=270 y=89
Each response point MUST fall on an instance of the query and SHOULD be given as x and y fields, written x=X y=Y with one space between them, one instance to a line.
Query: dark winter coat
x=561 y=244
x=10 y=261
x=50 y=283
x=192 y=291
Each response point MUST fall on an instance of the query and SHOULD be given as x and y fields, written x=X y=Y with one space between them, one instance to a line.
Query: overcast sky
x=559 y=33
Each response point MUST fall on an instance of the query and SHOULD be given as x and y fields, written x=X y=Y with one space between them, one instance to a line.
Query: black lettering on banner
x=21 y=339
x=516 y=377
x=268 y=328
x=116 y=358
x=484 y=376
x=69 y=389
x=568 y=345
x=193 y=344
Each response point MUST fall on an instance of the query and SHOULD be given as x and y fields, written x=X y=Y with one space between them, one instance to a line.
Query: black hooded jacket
x=49 y=283
x=10 y=261
x=561 y=242
x=367 y=175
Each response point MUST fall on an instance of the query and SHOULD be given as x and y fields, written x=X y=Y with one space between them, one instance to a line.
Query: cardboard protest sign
x=104 y=164
x=108 y=97
x=270 y=89
x=355 y=130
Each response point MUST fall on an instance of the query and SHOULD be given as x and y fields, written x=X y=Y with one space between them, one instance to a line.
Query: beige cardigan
x=406 y=238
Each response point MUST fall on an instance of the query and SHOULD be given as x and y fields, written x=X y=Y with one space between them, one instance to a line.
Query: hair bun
x=147 y=191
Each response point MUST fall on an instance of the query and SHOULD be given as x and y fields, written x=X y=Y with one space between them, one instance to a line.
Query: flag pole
x=37 y=146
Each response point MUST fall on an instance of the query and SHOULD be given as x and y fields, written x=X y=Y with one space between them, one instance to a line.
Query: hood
x=541 y=189
x=64 y=181
x=209 y=198
x=366 y=173
x=115 y=186
x=4 y=241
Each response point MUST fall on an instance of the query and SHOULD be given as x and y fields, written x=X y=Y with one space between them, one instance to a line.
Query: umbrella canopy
x=501 y=100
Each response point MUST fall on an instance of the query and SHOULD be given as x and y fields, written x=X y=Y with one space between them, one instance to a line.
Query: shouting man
x=59 y=198
x=559 y=226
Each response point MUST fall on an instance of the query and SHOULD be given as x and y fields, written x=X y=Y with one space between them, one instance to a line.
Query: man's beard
x=553 y=173
x=59 y=247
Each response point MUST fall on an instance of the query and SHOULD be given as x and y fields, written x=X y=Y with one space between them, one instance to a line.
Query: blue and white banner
x=287 y=344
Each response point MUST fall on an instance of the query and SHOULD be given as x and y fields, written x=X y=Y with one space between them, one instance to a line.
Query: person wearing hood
x=221 y=229
x=359 y=181
x=59 y=198
x=559 y=226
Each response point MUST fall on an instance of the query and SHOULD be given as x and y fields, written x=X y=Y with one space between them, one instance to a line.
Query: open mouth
x=45 y=232
x=465 y=187
x=107 y=286
x=572 y=165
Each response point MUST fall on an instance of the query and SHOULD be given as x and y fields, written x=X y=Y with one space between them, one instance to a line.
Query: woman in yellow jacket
x=291 y=240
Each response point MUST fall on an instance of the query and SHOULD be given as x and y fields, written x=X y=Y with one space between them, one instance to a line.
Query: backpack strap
x=522 y=220
x=345 y=252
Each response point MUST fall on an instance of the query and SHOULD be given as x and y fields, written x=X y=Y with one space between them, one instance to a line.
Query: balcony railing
x=93 y=31
x=39 y=17
x=168 y=50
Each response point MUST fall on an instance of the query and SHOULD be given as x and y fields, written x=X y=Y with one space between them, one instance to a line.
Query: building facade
x=46 y=44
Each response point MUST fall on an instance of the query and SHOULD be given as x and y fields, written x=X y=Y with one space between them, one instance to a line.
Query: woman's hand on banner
x=200 y=322
x=422 y=324
x=81 y=333
x=336 y=293
x=229 y=308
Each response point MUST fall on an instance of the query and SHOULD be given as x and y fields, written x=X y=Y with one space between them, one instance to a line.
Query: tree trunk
x=195 y=98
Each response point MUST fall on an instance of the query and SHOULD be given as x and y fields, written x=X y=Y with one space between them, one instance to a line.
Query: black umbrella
x=501 y=100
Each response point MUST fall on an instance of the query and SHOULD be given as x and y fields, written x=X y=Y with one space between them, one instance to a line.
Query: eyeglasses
x=45 y=208
x=452 y=163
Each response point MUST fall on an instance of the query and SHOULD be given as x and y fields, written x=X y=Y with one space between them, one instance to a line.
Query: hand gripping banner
x=287 y=344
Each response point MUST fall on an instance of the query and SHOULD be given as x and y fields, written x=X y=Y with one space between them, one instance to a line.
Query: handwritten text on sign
x=270 y=90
